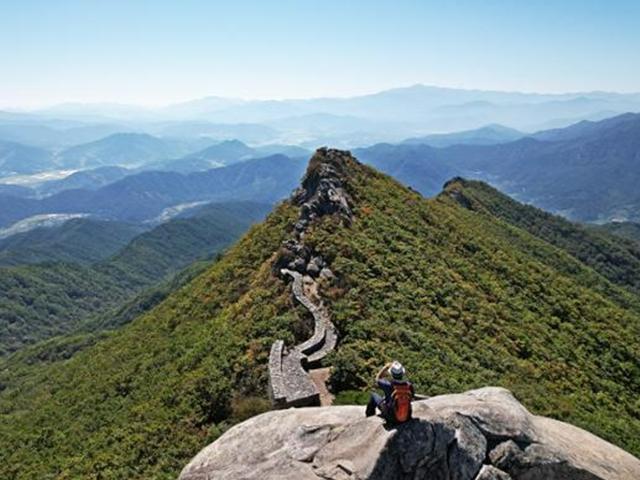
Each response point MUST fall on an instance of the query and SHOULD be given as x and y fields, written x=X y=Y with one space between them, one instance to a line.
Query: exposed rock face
x=480 y=435
x=322 y=193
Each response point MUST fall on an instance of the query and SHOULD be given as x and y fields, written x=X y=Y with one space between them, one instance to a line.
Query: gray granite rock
x=536 y=462
x=469 y=449
x=447 y=439
x=489 y=472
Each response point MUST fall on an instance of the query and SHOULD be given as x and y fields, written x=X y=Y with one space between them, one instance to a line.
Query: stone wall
x=321 y=193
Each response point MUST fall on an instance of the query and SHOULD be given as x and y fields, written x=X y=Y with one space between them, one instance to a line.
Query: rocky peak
x=483 y=434
x=322 y=191
x=454 y=188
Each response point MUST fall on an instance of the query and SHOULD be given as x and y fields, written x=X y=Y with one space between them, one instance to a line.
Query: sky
x=159 y=52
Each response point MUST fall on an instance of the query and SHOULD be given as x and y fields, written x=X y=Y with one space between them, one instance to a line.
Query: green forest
x=56 y=297
x=460 y=289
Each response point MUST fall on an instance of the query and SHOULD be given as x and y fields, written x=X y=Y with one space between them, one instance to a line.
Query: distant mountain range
x=418 y=166
x=387 y=116
x=488 y=135
x=107 y=157
x=18 y=158
x=44 y=132
x=407 y=104
x=588 y=171
x=122 y=149
x=91 y=179
x=142 y=197
x=224 y=154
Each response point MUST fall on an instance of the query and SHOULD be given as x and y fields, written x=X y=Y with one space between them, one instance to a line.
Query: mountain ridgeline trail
x=464 y=296
x=294 y=376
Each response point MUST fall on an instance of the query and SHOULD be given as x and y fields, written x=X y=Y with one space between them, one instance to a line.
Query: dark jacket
x=387 y=388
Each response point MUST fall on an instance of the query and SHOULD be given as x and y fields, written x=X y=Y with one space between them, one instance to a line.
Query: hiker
x=395 y=406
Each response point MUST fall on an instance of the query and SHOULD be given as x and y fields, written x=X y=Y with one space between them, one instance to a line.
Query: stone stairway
x=292 y=378
x=295 y=374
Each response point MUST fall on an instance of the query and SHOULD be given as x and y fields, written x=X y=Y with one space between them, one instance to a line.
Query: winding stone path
x=292 y=380
x=324 y=337
x=295 y=376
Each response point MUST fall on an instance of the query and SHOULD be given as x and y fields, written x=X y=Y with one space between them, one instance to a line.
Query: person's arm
x=383 y=371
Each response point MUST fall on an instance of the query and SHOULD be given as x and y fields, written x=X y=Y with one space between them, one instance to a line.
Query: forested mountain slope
x=462 y=297
x=80 y=240
x=628 y=230
x=39 y=301
x=615 y=258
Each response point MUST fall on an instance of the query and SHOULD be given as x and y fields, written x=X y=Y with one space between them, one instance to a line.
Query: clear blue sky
x=156 y=52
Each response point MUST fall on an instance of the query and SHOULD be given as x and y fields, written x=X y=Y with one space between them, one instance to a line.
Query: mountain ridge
x=464 y=299
x=145 y=195
x=53 y=298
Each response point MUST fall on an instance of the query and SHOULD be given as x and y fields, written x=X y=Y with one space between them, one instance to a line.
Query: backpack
x=401 y=402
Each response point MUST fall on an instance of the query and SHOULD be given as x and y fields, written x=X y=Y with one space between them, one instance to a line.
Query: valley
x=62 y=280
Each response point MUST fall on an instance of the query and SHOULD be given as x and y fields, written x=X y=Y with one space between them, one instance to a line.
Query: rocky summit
x=483 y=434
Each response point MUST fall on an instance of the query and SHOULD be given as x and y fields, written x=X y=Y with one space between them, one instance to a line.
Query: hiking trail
x=297 y=376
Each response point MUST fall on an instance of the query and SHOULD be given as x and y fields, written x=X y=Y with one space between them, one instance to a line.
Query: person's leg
x=374 y=402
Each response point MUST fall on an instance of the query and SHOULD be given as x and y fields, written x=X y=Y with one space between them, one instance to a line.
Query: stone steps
x=321 y=193
x=290 y=381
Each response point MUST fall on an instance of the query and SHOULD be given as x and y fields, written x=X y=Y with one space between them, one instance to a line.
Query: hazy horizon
x=159 y=53
x=319 y=97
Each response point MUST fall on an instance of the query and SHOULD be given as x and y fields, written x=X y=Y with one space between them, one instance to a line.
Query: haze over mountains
x=587 y=171
x=391 y=115
x=407 y=104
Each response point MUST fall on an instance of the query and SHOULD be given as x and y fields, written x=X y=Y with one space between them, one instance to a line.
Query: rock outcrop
x=483 y=434
x=321 y=193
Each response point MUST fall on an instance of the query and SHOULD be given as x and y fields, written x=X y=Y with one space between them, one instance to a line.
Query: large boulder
x=481 y=434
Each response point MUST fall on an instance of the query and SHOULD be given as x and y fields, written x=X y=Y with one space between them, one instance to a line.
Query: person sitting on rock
x=395 y=406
